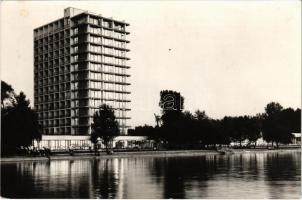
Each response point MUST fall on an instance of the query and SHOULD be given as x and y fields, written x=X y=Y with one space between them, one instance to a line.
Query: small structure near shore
x=297 y=138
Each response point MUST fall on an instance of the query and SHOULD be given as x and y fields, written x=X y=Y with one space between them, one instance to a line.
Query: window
x=75 y=40
x=96 y=76
x=74 y=86
x=108 y=68
x=109 y=77
x=75 y=49
x=105 y=24
x=95 y=48
x=119 y=35
x=117 y=26
x=108 y=41
x=94 y=30
x=108 y=59
x=108 y=50
x=95 y=67
x=95 y=57
x=109 y=86
x=95 y=39
x=119 y=53
x=95 y=84
x=94 y=21
x=95 y=103
x=75 y=58
x=75 y=67
x=107 y=33
x=95 y=94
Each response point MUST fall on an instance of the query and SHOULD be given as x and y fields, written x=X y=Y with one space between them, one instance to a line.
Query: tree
x=104 y=126
x=227 y=126
x=272 y=108
x=254 y=129
x=145 y=130
x=297 y=121
x=202 y=128
x=7 y=93
x=201 y=115
x=170 y=129
x=19 y=125
x=279 y=124
x=236 y=128
x=186 y=130
x=171 y=103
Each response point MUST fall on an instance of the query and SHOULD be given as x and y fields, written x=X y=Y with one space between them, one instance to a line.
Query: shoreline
x=133 y=154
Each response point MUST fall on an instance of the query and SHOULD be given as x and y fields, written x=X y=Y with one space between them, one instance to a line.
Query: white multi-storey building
x=79 y=64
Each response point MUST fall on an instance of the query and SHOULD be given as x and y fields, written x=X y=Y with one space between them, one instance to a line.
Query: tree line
x=177 y=128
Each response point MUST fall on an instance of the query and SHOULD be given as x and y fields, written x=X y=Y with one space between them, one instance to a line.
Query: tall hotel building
x=79 y=64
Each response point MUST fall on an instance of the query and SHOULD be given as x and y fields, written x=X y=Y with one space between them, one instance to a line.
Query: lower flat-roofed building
x=82 y=142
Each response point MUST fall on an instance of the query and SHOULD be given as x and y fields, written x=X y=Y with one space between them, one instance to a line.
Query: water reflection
x=249 y=175
x=280 y=171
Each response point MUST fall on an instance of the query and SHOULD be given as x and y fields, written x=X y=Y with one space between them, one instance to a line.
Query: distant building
x=297 y=138
x=261 y=142
x=79 y=64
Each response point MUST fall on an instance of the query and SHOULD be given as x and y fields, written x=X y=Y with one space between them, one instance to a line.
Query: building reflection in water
x=248 y=175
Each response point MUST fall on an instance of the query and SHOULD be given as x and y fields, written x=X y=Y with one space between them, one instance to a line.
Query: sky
x=225 y=57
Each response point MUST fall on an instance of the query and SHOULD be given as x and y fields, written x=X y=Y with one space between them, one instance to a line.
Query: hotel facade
x=80 y=62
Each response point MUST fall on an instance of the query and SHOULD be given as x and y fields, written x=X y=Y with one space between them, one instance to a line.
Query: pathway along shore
x=170 y=153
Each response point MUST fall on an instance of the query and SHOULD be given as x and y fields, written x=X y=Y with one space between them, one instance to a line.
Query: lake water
x=247 y=175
